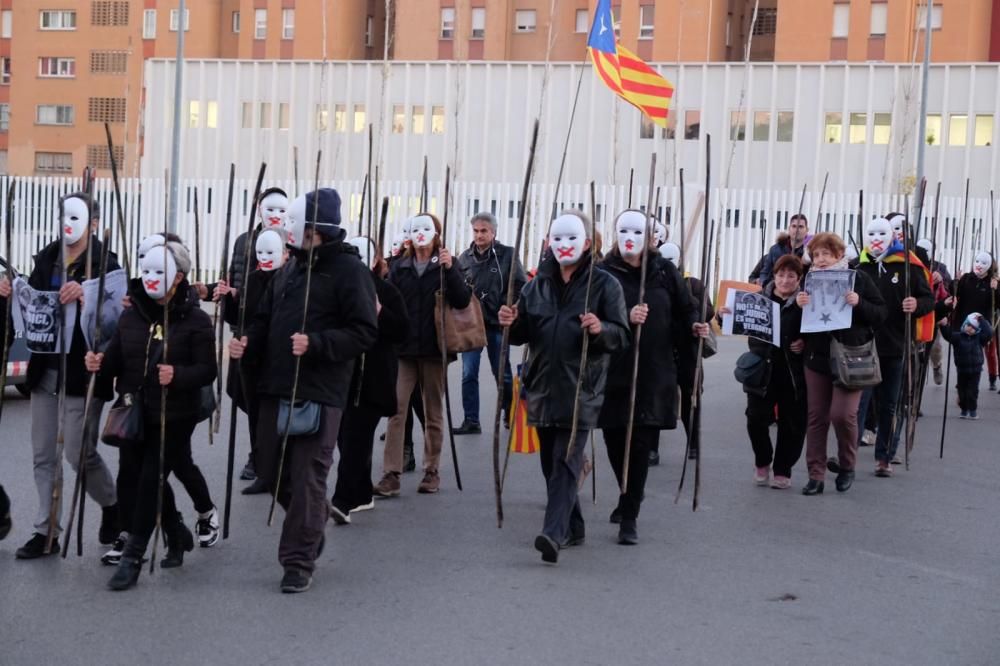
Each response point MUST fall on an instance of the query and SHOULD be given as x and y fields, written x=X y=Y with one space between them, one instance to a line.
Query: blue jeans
x=887 y=395
x=470 y=374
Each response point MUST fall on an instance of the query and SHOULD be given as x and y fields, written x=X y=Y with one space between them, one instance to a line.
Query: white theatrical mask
x=631 y=230
x=851 y=253
x=567 y=238
x=982 y=264
x=897 y=227
x=273 y=210
x=878 y=236
x=671 y=252
x=927 y=245
x=422 y=231
x=149 y=242
x=159 y=269
x=366 y=248
x=75 y=219
x=295 y=222
x=398 y=244
x=405 y=234
x=659 y=234
x=270 y=251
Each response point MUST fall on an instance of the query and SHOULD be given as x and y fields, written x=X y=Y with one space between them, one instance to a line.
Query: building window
x=247 y=115
x=478 y=22
x=647 y=15
x=288 y=24
x=834 y=130
x=437 y=120
x=6 y=23
x=761 y=125
x=212 y=115
x=54 y=162
x=882 y=129
x=97 y=156
x=322 y=117
x=647 y=130
x=4 y=117
x=582 y=21
x=265 y=116
x=936 y=15
x=109 y=12
x=934 y=126
x=616 y=20
x=786 y=126
x=692 y=125
x=236 y=22
x=447 y=22
x=359 y=118
x=841 y=21
x=670 y=131
x=54 y=114
x=858 y=132
x=194 y=114
x=524 y=20
x=737 y=126
x=767 y=22
x=398 y=119
x=149 y=24
x=284 y=116
x=5 y=71
x=260 y=24
x=174 y=14
x=57 y=19
x=879 y=19
x=370 y=31
x=59 y=68
x=108 y=62
x=958 y=130
x=106 y=109
x=417 y=120
x=984 y=131
x=340 y=118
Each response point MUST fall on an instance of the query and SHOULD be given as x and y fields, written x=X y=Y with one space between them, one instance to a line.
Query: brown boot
x=388 y=486
x=431 y=483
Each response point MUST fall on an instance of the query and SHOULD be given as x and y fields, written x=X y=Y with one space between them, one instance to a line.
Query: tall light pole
x=175 y=151
x=922 y=132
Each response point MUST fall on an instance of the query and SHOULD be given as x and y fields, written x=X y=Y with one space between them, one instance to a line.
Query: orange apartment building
x=69 y=66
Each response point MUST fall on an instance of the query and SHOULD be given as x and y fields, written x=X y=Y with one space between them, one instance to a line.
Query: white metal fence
x=745 y=230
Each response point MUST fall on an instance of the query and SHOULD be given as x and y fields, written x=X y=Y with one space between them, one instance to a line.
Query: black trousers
x=643 y=439
x=968 y=390
x=685 y=384
x=354 y=471
x=415 y=408
x=563 y=518
x=792 y=415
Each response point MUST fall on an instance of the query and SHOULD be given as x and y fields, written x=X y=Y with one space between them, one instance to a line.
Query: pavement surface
x=895 y=571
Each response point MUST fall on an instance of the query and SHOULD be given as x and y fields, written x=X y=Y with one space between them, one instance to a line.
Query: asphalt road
x=897 y=571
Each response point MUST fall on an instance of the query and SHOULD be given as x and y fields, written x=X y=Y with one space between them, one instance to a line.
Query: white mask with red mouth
x=982 y=264
x=295 y=222
x=366 y=248
x=159 y=270
x=878 y=236
x=273 y=209
x=567 y=239
x=671 y=252
x=422 y=232
x=397 y=244
x=897 y=227
x=270 y=251
x=631 y=229
x=659 y=234
x=149 y=242
x=75 y=218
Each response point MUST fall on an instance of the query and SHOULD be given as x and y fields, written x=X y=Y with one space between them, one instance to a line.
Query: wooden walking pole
x=442 y=306
x=10 y=275
x=951 y=318
x=908 y=340
x=120 y=213
x=220 y=305
x=161 y=477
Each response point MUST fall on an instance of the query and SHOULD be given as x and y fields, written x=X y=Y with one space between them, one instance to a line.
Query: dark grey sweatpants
x=562 y=480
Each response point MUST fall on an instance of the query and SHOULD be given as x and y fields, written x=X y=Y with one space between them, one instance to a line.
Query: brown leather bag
x=464 y=330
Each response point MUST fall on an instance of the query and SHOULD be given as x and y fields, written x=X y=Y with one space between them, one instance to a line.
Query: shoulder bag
x=125 y=424
x=854 y=367
x=464 y=329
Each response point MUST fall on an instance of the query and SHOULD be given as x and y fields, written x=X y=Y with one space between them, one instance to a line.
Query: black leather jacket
x=488 y=273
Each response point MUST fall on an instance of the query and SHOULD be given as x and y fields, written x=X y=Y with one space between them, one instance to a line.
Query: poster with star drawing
x=115 y=288
x=828 y=309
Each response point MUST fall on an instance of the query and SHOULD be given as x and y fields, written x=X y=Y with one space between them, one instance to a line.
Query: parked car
x=17 y=358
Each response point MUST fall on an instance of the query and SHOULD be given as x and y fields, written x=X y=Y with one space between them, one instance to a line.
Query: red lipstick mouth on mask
x=629 y=245
x=565 y=252
x=267 y=264
x=275 y=221
x=152 y=285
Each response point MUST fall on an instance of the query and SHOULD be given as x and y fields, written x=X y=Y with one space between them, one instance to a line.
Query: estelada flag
x=523 y=437
x=624 y=72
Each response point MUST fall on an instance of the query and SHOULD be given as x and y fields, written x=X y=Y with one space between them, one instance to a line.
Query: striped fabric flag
x=624 y=72
x=523 y=438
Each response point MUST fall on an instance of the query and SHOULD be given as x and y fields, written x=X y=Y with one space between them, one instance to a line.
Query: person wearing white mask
x=550 y=318
x=977 y=292
x=140 y=364
x=77 y=223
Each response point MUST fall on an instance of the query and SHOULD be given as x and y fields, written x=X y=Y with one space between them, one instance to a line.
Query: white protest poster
x=828 y=309
x=754 y=315
x=38 y=317
x=115 y=289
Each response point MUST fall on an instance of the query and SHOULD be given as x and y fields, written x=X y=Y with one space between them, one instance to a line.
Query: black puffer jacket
x=968 y=349
x=191 y=350
x=868 y=315
x=671 y=315
x=686 y=350
x=46 y=277
x=256 y=286
x=975 y=295
x=418 y=292
x=549 y=323
x=786 y=366
x=381 y=367
x=890 y=277
x=341 y=324
x=488 y=273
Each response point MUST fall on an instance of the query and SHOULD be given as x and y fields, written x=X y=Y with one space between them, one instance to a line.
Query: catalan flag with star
x=624 y=72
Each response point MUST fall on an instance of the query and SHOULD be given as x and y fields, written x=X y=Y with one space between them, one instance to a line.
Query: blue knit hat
x=326 y=216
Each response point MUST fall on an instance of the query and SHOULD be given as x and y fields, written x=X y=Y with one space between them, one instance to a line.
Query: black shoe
x=693 y=454
x=340 y=515
x=113 y=557
x=993 y=384
x=833 y=465
x=627 y=533
x=616 y=516
x=468 y=428
x=506 y=420
x=409 y=462
x=654 y=458
x=178 y=543
x=109 y=525
x=35 y=548
x=126 y=575
x=548 y=548
x=574 y=540
x=814 y=487
x=5 y=521
x=295 y=580
x=844 y=480
x=249 y=472
x=258 y=487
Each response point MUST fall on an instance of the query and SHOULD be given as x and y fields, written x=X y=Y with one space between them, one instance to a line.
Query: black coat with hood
x=191 y=351
x=381 y=366
x=868 y=315
x=786 y=365
x=890 y=277
x=672 y=313
x=419 y=294
x=548 y=322
x=488 y=273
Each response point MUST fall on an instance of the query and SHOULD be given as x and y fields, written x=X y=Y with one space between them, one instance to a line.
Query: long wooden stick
x=11 y=274
x=197 y=273
x=822 y=195
x=423 y=188
x=120 y=213
x=951 y=319
x=444 y=347
x=161 y=477
x=908 y=341
x=220 y=305
x=680 y=218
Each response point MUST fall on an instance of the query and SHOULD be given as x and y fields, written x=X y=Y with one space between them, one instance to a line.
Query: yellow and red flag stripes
x=523 y=438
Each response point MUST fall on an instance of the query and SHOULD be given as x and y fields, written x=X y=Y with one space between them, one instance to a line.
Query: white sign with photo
x=754 y=315
x=38 y=316
x=828 y=309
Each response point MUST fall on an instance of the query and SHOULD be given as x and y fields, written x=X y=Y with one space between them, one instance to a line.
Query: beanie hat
x=972 y=320
x=323 y=213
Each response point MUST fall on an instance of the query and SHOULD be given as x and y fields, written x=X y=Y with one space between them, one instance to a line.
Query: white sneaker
x=340 y=517
x=207 y=528
x=114 y=556
x=761 y=475
x=364 y=507
x=869 y=437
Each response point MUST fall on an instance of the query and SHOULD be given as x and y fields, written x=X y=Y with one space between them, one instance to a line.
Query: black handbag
x=125 y=424
x=303 y=421
x=206 y=402
x=754 y=372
